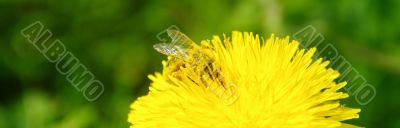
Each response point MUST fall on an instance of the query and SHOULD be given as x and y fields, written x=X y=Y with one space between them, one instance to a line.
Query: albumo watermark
x=65 y=62
x=357 y=85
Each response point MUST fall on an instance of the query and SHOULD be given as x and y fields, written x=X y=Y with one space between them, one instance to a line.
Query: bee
x=186 y=53
x=184 y=50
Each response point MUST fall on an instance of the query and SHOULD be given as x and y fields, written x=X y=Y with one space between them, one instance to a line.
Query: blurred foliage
x=114 y=39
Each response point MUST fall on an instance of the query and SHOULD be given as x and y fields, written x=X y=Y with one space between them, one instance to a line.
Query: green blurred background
x=114 y=39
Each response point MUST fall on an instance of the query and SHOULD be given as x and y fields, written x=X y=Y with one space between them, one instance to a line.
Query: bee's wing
x=179 y=39
x=164 y=48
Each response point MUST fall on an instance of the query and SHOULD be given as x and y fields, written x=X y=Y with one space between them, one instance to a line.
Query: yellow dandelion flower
x=241 y=82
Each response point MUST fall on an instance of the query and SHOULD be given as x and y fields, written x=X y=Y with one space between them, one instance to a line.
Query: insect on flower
x=181 y=47
x=186 y=53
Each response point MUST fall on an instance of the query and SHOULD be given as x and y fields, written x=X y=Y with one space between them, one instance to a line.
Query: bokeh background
x=114 y=38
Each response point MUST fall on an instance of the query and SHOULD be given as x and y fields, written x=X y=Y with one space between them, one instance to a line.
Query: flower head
x=242 y=81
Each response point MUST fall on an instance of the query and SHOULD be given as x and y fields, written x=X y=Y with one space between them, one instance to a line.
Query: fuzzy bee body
x=187 y=60
x=188 y=54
